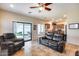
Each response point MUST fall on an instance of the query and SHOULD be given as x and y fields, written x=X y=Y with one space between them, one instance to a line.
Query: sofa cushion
x=53 y=43
x=9 y=35
x=17 y=43
x=57 y=37
x=2 y=39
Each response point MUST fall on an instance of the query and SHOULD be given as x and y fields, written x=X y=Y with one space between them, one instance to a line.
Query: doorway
x=23 y=30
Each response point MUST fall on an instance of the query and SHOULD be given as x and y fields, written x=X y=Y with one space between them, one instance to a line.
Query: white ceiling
x=58 y=9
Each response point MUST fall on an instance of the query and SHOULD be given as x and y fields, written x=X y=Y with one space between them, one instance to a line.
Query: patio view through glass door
x=27 y=32
x=23 y=30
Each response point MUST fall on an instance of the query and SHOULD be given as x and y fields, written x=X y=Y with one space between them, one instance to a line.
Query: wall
x=73 y=34
x=6 y=19
x=73 y=17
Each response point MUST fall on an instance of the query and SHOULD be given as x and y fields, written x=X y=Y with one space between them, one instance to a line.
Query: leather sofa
x=77 y=53
x=11 y=43
x=54 y=41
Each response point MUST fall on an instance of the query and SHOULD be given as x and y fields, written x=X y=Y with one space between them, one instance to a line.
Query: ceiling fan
x=42 y=6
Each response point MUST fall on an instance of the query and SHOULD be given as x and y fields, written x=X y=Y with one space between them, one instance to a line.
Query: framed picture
x=47 y=26
x=34 y=27
x=74 y=26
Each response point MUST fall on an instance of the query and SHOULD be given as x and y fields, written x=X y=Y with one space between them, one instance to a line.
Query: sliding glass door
x=27 y=32
x=23 y=30
x=18 y=30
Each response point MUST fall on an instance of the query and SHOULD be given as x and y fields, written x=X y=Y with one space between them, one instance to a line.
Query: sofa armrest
x=5 y=45
x=7 y=42
x=77 y=53
x=44 y=37
x=18 y=39
x=61 y=42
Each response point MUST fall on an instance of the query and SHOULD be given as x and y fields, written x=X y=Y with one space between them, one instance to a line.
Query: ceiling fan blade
x=47 y=9
x=34 y=7
x=46 y=4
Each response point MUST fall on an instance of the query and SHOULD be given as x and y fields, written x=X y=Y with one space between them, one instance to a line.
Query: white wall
x=6 y=19
x=73 y=17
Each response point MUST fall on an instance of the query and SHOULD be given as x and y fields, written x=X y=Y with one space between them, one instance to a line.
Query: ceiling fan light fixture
x=41 y=8
x=11 y=5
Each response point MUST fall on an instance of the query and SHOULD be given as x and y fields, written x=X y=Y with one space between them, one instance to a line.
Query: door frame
x=23 y=27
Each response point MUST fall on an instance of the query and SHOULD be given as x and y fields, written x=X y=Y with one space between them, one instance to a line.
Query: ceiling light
x=65 y=16
x=11 y=5
x=40 y=8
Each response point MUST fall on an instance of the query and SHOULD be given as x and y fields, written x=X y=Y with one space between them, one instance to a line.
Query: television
x=74 y=26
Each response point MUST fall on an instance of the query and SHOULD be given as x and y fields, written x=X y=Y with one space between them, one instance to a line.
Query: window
x=22 y=30
x=41 y=29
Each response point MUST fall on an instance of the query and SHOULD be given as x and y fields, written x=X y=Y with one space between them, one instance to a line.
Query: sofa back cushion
x=49 y=35
x=9 y=36
x=58 y=37
x=1 y=39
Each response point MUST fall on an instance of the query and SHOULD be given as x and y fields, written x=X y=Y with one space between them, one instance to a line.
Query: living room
x=30 y=22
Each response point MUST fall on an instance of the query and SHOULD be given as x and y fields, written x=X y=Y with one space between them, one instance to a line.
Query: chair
x=11 y=43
